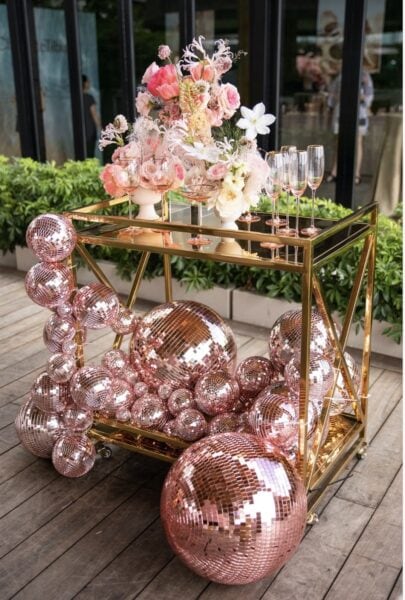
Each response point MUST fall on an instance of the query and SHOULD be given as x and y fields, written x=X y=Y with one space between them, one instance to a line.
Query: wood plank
x=35 y=320
x=173 y=582
x=8 y=438
x=384 y=395
x=254 y=347
x=7 y=415
x=16 y=302
x=367 y=579
x=17 y=341
x=66 y=576
x=18 y=315
x=11 y=291
x=14 y=461
x=397 y=591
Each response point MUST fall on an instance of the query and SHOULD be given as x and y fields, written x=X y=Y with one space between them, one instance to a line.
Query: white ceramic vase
x=146 y=200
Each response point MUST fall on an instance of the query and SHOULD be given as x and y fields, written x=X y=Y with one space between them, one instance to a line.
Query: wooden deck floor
x=100 y=537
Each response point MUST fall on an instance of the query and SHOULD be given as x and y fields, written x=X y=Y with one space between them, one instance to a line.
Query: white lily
x=255 y=120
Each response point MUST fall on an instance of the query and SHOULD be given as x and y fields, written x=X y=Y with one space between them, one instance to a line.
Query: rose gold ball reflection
x=115 y=361
x=64 y=310
x=216 y=393
x=96 y=306
x=342 y=400
x=253 y=375
x=179 y=341
x=60 y=367
x=51 y=237
x=320 y=378
x=125 y=322
x=223 y=423
x=180 y=400
x=130 y=375
x=73 y=455
x=37 y=430
x=49 y=284
x=169 y=428
x=123 y=414
x=48 y=395
x=91 y=387
x=58 y=330
x=164 y=391
x=140 y=389
x=122 y=397
x=190 y=425
x=77 y=420
x=285 y=338
x=233 y=508
x=69 y=347
x=149 y=412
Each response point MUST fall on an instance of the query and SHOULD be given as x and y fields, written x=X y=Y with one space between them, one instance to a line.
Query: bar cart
x=336 y=441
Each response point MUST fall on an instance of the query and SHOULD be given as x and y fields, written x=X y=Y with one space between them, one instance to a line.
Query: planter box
x=8 y=260
x=256 y=309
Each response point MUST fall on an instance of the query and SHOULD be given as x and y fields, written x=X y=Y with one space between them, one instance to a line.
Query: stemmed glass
x=273 y=190
x=198 y=192
x=287 y=230
x=316 y=167
x=298 y=176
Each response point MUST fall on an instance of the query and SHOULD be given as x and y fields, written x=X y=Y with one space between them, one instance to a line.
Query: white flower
x=255 y=121
x=120 y=123
x=201 y=151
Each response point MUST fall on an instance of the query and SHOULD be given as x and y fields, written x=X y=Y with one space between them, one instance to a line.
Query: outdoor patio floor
x=100 y=537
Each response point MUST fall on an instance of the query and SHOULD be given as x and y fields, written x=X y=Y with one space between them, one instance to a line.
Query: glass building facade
x=297 y=57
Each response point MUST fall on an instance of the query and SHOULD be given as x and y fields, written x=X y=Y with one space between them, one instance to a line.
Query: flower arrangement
x=181 y=140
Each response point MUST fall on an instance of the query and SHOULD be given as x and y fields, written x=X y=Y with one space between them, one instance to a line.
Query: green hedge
x=28 y=188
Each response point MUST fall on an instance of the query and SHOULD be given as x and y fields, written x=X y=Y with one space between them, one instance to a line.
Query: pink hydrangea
x=115 y=179
x=164 y=52
x=228 y=99
x=150 y=71
x=164 y=83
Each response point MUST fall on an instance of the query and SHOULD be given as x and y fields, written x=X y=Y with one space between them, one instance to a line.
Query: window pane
x=9 y=139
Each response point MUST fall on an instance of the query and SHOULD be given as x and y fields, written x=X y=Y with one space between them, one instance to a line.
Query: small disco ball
x=73 y=455
x=179 y=400
x=77 y=420
x=115 y=361
x=342 y=400
x=49 y=284
x=96 y=306
x=233 y=508
x=253 y=375
x=51 y=237
x=224 y=423
x=321 y=374
x=149 y=412
x=91 y=387
x=49 y=396
x=169 y=428
x=216 y=393
x=58 y=330
x=122 y=397
x=60 y=367
x=190 y=425
x=178 y=342
x=38 y=430
x=125 y=322
x=285 y=338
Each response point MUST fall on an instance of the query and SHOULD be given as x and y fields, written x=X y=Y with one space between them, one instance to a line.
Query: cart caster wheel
x=312 y=518
x=103 y=450
x=362 y=453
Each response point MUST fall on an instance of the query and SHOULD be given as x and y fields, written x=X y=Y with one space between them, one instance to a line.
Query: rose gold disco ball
x=37 y=430
x=51 y=237
x=285 y=338
x=122 y=397
x=60 y=367
x=91 y=387
x=149 y=412
x=49 y=396
x=179 y=341
x=77 y=420
x=190 y=425
x=58 y=330
x=233 y=508
x=49 y=284
x=179 y=400
x=320 y=378
x=253 y=375
x=341 y=400
x=125 y=322
x=216 y=393
x=96 y=306
x=224 y=423
x=115 y=361
x=73 y=455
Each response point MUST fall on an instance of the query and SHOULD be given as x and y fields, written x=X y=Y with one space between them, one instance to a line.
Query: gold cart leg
x=168 y=278
x=305 y=357
x=134 y=290
x=79 y=333
x=84 y=253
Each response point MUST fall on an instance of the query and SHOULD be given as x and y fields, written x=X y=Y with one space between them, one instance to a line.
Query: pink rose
x=164 y=83
x=123 y=154
x=215 y=116
x=143 y=103
x=228 y=99
x=115 y=180
x=217 y=172
x=222 y=65
x=164 y=52
x=202 y=71
x=150 y=71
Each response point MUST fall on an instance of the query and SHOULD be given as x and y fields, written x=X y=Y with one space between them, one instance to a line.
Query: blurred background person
x=91 y=118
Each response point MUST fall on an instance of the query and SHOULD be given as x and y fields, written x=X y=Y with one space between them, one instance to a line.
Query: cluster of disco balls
x=233 y=505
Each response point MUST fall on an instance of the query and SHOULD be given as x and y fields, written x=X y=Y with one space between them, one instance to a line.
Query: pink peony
x=115 y=180
x=164 y=52
x=143 y=103
x=217 y=172
x=150 y=71
x=164 y=83
x=202 y=71
x=228 y=99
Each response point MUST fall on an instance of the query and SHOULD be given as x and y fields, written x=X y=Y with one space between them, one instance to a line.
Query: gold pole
x=168 y=278
x=143 y=261
x=79 y=333
x=84 y=253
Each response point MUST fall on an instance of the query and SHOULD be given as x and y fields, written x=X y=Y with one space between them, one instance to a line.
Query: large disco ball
x=49 y=284
x=49 y=396
x=38 y=430
x=342 y=400
x=96 y=305
x=233 y=508
x=51 y=237
x=91 y=387
x=177 y=342
x=253 y=375
x=320 y=378
x=216 y=393
x=73 y=455
x=285 y=338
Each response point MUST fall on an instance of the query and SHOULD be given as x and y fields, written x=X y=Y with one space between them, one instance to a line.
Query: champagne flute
x=316 y=167
x=298 y=175
x=287 y=230
x=273 y=190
